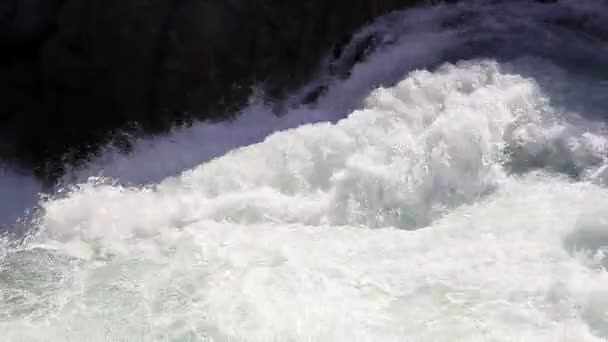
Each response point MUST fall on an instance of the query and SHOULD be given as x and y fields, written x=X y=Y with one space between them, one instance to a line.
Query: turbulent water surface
x=453 y=187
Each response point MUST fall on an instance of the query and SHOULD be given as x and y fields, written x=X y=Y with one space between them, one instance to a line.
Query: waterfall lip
x=418 y=29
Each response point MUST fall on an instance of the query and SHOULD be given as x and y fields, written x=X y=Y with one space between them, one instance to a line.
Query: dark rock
x=77 y=70
x=25 y=23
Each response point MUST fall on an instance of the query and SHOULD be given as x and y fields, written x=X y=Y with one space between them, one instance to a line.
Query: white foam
x=272 y=241
x=462 y=203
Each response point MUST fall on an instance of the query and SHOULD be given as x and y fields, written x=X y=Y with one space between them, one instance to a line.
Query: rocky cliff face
x=77 y=69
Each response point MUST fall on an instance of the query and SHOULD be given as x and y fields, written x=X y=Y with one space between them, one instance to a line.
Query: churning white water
x=466 y=202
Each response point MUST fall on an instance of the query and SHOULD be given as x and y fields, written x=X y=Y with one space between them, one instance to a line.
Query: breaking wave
x=451 y=187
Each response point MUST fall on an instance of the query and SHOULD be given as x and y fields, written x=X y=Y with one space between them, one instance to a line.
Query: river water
x=452 y=188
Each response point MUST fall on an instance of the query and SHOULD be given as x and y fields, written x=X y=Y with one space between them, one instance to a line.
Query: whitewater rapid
x=457 y=201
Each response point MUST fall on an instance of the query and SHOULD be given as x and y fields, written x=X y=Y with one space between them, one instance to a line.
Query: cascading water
x=462 y=199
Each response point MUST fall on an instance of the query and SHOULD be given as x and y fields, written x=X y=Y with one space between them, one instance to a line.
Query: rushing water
x=463 y=199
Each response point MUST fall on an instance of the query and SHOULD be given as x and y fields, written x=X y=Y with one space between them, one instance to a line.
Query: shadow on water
x=19 y=191
x=592 y=241
x=589 y=242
